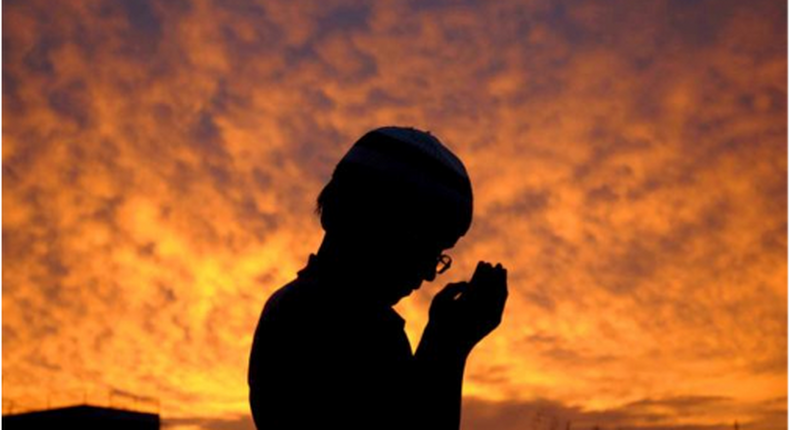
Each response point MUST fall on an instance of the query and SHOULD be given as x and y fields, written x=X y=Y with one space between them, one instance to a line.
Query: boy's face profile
x=398 y=262
x=395 y=202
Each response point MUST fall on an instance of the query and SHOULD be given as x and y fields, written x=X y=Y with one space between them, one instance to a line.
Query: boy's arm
x=461 y=315
x=440 y=375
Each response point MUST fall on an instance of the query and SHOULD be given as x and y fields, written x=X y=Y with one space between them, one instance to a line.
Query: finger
x=502 y=280
x=504 y=276
x=451 y=291
x=477 y=276
x=486 y=272
x=478 y=271
x=502 y=290
x=498 y=290
x=481 y=277
x=490 y=276
x=485 y=288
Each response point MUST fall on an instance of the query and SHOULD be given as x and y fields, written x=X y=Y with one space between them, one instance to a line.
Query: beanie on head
x=419 y=165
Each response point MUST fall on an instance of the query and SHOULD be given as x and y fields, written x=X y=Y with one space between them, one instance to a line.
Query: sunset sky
x=161 y=162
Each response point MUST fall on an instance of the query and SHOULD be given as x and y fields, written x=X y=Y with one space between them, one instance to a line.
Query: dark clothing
x=322 y=359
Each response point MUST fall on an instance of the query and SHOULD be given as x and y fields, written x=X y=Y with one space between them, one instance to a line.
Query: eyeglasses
x=443 y=263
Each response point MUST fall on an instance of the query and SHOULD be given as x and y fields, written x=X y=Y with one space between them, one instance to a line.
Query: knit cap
x=417 y=163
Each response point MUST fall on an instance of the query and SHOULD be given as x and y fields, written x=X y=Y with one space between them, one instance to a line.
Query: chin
x=401 y=294
x=402 y=290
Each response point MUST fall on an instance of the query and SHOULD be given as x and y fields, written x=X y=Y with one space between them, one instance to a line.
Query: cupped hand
x=463 y=313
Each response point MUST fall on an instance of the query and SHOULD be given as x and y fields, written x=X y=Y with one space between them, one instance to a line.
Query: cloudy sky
x=161 y=162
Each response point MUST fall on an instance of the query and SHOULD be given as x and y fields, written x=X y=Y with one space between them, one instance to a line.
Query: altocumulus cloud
x=161 y=161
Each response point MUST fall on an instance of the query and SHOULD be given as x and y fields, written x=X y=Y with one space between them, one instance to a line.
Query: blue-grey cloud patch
x=142 y=18
x=343 y=18
x=11 y=97
x=145 y=27
x=537 y=414
x=530 y=202
x=242 y=48
x=206 y=136
x=72 y=103
x=6 y=47
x=651 y=413
x=38 y=59
x=228 y=98
x=240 y=423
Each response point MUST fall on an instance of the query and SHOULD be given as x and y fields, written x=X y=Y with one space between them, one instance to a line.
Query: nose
x=429 y=273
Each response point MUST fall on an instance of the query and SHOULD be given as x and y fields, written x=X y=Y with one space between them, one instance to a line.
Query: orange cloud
x=161 y=163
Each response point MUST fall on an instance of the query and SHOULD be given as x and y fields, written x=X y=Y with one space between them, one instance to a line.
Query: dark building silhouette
x=82 y=417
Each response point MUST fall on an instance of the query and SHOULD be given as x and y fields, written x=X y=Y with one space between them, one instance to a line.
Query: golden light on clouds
x=161 y=162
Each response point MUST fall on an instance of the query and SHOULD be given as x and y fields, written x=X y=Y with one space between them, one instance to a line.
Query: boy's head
x=402 y=195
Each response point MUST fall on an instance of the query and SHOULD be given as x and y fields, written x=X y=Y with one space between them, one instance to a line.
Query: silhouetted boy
x=329 y=351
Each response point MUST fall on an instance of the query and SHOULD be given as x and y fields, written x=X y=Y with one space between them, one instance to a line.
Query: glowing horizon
x=629 y=162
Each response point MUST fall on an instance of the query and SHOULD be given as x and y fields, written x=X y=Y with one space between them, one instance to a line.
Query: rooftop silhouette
x=83 y=417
